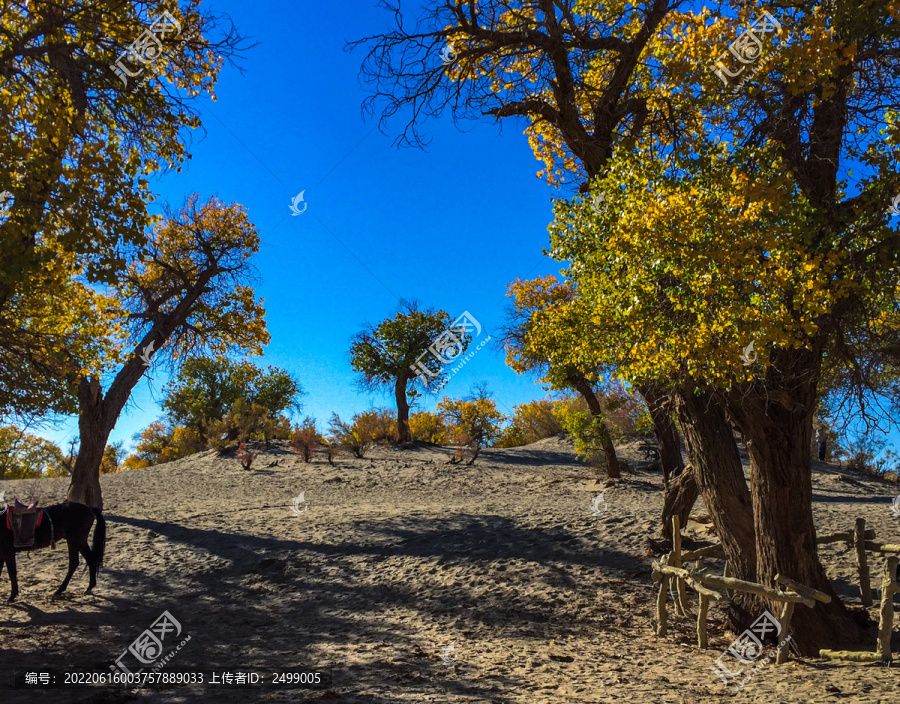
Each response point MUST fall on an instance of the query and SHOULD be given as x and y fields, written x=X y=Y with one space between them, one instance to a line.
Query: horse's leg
x=92 y=566
x=13 y=576
x=73 y=565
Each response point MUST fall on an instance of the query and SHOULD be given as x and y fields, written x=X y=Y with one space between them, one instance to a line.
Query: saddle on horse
x=23 y=520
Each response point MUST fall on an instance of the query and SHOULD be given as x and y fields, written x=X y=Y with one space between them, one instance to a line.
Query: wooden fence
x=670 y=569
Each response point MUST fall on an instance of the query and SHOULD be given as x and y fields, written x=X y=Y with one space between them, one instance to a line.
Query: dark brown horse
x=67 y=521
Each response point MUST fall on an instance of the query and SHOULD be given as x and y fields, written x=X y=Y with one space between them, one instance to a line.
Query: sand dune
x=393 y=559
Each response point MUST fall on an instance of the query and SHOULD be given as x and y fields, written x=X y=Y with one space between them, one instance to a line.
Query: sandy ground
x=395 y=558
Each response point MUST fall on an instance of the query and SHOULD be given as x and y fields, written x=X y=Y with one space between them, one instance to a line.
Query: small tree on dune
x=386 y=356
x=354 y=437
x=206 y=390
x=428 y=427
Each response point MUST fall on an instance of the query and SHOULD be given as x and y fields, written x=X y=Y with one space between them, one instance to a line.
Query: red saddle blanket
x=23 y=526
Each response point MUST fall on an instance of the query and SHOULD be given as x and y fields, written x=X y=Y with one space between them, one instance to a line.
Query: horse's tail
x=99 y=546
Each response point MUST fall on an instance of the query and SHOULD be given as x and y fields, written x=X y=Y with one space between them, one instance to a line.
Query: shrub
x=428 y=427
x=332 y=450
x=511 y=436
x=587 y=432
x=355 y=437
x=474 y=422
x=380 y=424
x=26 y=456
x=531 y=422
x=305 y=438
x=248 y=421
x=625 y=415
x=159 y=442
x=245 y=456
x=867 y=453
x=113 y=458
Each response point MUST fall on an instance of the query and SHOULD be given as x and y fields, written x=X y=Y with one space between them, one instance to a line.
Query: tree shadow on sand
x=273 y=602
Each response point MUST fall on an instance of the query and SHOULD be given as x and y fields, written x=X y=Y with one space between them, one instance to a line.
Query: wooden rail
x=669 y=568
x=889 y=587
x=862 y=539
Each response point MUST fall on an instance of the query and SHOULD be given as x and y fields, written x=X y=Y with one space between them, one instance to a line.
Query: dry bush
x=245 y=456
x=380 y=424
x=474 y=421
x=305 y=439
x=248 y=421
x=332 y=451
x=355 y=438
x=531 y=422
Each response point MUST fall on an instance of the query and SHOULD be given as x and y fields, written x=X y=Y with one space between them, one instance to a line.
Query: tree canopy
x=77 y=151
x=405 y=353
x=205 y=389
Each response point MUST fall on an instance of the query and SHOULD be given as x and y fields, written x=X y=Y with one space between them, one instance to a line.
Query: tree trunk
x=660 y=407
x=580 y=383
x=85 y=486
x=775 y=419
x=609 y=452
x=716 y=465
x=403 y=434
x=680 y=497
x=98 y=413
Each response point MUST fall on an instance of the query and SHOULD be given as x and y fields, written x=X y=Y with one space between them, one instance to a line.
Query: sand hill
x=393 y=559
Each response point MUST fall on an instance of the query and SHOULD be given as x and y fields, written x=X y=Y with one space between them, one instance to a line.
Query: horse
x=67 y=521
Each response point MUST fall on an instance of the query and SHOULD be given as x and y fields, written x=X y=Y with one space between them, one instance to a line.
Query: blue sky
x=450 y=226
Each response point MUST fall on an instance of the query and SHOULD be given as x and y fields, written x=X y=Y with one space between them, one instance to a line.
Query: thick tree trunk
x=716 y=465
x=681 y=495
x=92 y=433
x=660 y=407
x=580 y=383
x=403 y=434
x=776 y=422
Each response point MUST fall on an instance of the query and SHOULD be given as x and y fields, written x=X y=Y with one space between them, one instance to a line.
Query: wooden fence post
x=859 y=540
x=701 y=621
x=681 y=607
x=787 y=610
x=886 y=620
x=661 y=615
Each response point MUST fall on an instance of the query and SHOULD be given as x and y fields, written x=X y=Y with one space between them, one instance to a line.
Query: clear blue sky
x=451 y=226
